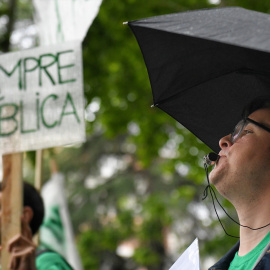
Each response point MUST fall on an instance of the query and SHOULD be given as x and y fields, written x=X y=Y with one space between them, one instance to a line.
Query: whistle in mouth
x=211 y=159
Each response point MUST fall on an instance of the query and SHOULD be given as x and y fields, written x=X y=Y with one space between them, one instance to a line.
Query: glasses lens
x=237 y=130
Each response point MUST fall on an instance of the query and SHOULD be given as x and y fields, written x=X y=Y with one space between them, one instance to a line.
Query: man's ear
x=27 y=214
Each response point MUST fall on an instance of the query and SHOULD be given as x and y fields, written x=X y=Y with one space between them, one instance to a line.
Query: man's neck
x=255 y=216
x=249 y=240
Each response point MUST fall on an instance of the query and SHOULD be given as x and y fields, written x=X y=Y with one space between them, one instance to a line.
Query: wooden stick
x=38 y=182
x=11 y=203
x=38 y=170
x=53 y=166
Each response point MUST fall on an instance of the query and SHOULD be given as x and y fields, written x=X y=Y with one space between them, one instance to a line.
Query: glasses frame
x=245 y=121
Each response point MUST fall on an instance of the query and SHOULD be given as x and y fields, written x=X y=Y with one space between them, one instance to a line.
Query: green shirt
x=247 y=262
x=51 y=261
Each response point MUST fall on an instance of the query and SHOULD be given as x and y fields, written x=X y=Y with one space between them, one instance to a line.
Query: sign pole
x=38 y=170
x=38 y=181
x=11 y=202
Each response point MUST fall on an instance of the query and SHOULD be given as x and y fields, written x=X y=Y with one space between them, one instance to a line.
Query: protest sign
x=69 y=19
x=41 y=98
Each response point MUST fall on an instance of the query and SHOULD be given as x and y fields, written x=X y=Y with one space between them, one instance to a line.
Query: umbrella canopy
x=205 y=66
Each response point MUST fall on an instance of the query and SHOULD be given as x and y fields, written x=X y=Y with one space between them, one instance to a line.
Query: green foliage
x=95 y=243
x=147 y=257
x=89 y=239
x=155 y=210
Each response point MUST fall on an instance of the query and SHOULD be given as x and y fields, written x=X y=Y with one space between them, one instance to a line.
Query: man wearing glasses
x=242 y=175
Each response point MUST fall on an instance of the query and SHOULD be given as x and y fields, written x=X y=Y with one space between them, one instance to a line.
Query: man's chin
x=214 y=177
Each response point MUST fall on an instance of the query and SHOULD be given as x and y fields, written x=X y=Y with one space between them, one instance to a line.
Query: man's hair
x=261 y=102
x=32 y=198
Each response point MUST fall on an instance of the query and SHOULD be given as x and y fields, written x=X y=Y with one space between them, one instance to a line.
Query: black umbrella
x=205 y=66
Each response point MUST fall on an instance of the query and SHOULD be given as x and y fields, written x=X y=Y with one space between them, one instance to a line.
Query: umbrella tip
x=125 y=23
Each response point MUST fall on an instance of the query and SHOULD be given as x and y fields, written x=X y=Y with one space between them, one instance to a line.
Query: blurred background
x=135 y=187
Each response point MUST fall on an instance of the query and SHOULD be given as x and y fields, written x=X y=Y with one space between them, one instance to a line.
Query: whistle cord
x=213 y=195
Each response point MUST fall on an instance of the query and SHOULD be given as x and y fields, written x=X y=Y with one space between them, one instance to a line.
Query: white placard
x=41 y=98
x=190 y=259
x=64 y=20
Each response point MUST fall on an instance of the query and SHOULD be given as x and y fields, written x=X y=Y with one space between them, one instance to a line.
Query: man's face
x=244 y=166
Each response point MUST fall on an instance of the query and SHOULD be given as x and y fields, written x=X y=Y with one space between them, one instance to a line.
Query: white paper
x=41 y=98
x=190 y=259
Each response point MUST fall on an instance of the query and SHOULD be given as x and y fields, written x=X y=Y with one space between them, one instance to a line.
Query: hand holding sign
x=22 y=249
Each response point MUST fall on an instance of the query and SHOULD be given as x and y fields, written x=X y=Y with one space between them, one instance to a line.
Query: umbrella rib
x=241 y=70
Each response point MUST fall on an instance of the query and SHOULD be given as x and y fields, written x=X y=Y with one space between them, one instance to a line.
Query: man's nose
x=225 y=141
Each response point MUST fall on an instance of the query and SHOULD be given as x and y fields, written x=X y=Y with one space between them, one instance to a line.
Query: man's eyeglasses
x=239 y=129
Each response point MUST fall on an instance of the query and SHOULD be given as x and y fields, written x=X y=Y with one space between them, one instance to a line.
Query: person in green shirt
x=242 y=175
x=24 y=254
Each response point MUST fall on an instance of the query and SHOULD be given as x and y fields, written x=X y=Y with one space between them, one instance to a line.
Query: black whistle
x=211 y=158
